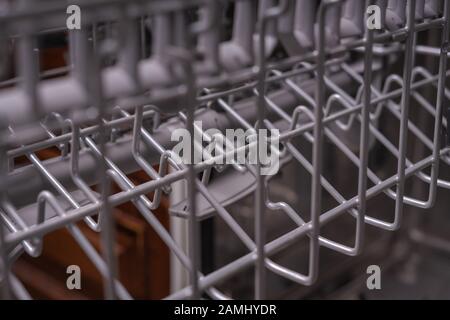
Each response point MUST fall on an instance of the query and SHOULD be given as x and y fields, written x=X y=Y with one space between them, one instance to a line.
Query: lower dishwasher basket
x=356 y=115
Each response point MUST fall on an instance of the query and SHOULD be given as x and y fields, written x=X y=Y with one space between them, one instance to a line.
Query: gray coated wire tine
x=206 y=176
x=270 y=79
x=420 y=71
x=149 y=140
x=225 y=106
x=316 y=189
x=233 y=113
x=217 y=140
x=406 y=97
x=48 y=199
x=15 y=254
x=149 y=111
x=364 y=137
x=326 y=184
x=296 y=89
x=247 y=241
x=14 y=223
x=151 y=219
x=107 y=225
x=286 y=136
x=52 y=180
x=291 y=237
x=137 y=131
x=404 y=124
x=439 y=108
x=194 y=247
x=74 y=89
x=301 y=93
x=440 y=98
x=370 y=220
x=326 y=218
x=66 y=138
x=162 y=232
x=430 y=109
x=346 y=250
x=350 y=112
x=33 y=249
x=383 y=97
x=83 y=67
x=270 y=264
x=184 y=57
x=107 y=236
x=385 y=141
x=108 y=241
x=360 y=109
x=198 y=146
x=170 y=156
x=87 y=247
x=62 y=126
x=324 y=10
x=74 y=94
x=113 y=167
x=382 y=138
x=225 y=215
x=265 y=17
x=433 y=145
x=328 y=82
x=244 y=261
x=379 y=136
x=428 y=50
x=78 y=180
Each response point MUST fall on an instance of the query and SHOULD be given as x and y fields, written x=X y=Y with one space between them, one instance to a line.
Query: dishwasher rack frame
x=91 y=107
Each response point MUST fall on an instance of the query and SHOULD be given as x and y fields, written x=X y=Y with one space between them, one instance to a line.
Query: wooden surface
x=144 y=266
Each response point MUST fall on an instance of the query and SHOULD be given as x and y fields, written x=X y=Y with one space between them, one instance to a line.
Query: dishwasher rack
x=109 y=121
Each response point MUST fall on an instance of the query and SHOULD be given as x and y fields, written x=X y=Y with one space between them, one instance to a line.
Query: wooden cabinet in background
x=143 y=258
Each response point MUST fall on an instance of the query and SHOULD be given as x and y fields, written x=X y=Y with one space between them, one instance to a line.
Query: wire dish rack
x=140 y=69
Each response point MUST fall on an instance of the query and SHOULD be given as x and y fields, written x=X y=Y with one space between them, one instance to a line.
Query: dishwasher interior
x=96 y=96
